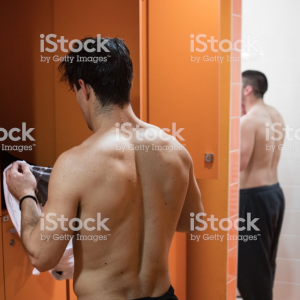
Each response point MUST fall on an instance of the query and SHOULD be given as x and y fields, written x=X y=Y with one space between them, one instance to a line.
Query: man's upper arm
x=63 y=201
x=192 y=203
x=247 y=140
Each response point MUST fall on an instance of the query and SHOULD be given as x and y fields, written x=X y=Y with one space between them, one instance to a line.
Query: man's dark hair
x=257 y=80
x=108 y=73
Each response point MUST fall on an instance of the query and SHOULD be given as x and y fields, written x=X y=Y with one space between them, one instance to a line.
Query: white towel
x=65 y=267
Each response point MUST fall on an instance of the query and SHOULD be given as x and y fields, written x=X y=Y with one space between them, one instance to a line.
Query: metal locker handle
x=13 y=230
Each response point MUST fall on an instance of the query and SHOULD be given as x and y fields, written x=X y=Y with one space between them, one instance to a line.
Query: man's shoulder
x=258 y=118
x=274 y=114
x=69 y=160
x=250 y=120
x=272 y=109
x=175 y=151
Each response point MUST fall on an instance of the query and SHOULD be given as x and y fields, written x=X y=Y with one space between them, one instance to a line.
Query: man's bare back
x=147 y=194
x=258 y=164
x=142 y=193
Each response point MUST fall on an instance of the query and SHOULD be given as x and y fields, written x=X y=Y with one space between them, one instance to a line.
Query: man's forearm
x=29 y=220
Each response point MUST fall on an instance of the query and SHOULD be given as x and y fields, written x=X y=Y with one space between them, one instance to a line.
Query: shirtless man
x=146 y=195
x=260 y=192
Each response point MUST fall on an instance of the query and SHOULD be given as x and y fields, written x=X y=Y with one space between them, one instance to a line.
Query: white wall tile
x=288 y=271
x=292 y=198
x=291 y=222
x=289 y=173
x=286 y=291
x=289 y=247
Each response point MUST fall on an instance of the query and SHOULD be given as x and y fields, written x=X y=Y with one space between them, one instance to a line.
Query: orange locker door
x=183 y=86
x=19 y=281
x=72 y=295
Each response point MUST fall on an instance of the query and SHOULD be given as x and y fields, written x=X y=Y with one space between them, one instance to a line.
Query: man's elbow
x=185 y=230
x=41 y=263
x=242 y=166
x=183 y=226
x=244 y=161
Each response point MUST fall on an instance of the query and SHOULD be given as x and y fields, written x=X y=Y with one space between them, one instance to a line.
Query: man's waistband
x=260 y=189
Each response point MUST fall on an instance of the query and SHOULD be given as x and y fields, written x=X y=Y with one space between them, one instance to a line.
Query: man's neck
x=107 y=120
x=253 y=102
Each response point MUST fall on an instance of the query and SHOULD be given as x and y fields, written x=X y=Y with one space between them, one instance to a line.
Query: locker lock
x=209 y=157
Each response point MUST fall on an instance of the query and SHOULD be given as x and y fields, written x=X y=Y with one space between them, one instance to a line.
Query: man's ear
x=85 y=89
x=248 y=90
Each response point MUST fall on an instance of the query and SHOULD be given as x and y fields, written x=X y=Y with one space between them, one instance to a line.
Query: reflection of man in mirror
x=260 y=192
x=143 y=196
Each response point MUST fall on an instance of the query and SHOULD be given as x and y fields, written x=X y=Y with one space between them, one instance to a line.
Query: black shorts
x=257 y=256
x=169 y=295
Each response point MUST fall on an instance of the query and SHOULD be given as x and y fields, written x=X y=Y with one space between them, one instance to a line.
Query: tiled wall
x=234 y=147
x=276 y=26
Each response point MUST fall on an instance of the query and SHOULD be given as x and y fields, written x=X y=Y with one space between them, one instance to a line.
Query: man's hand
x=20 y=180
